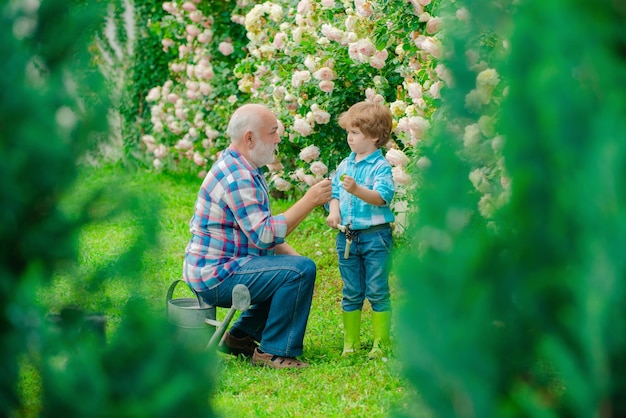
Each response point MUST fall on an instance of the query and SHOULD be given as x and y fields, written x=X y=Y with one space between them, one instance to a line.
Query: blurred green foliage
x=523 y=316
x=45 y=125
x=51 y=113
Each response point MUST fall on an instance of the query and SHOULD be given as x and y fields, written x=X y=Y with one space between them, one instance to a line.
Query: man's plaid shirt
x=232 y=222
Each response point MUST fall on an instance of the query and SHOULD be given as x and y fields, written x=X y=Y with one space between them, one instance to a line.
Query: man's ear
x=248 y=139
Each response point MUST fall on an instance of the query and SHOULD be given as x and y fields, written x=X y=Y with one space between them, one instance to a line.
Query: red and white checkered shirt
x=232 y=222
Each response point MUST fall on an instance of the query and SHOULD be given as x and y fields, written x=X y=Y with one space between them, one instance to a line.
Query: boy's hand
x=333 y=220
x=349 y=184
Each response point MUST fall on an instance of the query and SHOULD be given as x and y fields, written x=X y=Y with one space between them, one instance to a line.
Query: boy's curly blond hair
x=373 y=119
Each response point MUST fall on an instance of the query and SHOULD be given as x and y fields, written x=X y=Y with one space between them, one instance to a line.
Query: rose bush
x=309 y=61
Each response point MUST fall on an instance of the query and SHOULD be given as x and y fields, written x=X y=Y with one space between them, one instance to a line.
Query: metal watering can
x=196 y=321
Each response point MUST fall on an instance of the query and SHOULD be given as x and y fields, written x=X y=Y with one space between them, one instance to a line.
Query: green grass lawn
x=332 y=387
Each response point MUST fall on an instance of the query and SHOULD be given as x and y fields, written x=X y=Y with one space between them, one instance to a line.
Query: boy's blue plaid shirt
x=374 y=173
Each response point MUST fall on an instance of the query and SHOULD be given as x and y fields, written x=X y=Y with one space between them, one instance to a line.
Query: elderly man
x=236 y=239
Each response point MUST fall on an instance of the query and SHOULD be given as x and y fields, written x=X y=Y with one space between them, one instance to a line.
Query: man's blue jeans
x=281 y=290
x=365 y=272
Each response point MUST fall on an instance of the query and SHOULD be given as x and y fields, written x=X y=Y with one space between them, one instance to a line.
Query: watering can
x=196 y=321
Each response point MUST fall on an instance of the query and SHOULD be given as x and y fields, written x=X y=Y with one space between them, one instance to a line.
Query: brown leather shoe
x=276 y=362
x=236 y=346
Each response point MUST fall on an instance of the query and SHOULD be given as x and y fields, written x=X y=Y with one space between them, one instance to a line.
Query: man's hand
x=319 y=193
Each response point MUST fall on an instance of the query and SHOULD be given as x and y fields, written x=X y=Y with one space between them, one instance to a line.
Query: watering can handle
x=170 y=293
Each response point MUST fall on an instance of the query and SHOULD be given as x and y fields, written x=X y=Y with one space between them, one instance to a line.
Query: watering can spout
x=241 y=302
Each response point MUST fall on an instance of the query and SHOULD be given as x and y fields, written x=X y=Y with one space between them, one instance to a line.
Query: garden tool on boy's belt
x=241 y=302
x=349 y=235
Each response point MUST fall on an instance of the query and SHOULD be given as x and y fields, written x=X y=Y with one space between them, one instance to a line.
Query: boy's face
x=359 y=143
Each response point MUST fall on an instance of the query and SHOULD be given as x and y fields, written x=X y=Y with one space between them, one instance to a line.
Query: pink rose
x=160 y=151
x=198 y=159
x=298 y=175
x=353 y=51
x=379 y=58
x=309 y=153
x=366 y=47
x=150 y=142
x=192 y=30
x=417 y=7
x=281 y=129
x=418 y=126
x=205 y=88
x=169 y=7
x=434 y=90
x=204 y=37
x=301 y=126
x=281 y=184
x=324 y=74
x=280 y=92
x=400 y=176
x=429 y=45
x=397 y=157
x=434 y=25
x=423 y=163
x=372 y=96
x=303 y=7
x=181 y=114
x=332 y=33
x=275 y=166
x=309 y=180
x=190 y=70
x=190 y=7
x=196 y=16
x=184 y=144
x=318 y=168
x=300 y=77
x=167 y=44
x=226 y=48
x=192 y=95
x=415 y=91
x=463 y=14
x=154 y=94
x=279 y=40
x=363 y=7
x=319 y=116
x=444 y=74
x=327 y=86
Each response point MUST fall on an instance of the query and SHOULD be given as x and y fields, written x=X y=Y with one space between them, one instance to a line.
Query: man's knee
x=306 y=267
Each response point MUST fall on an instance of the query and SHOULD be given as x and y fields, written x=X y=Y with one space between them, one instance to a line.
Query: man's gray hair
x=246 y=118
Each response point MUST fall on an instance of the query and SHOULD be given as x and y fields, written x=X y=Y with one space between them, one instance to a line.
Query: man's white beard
x=262 y=154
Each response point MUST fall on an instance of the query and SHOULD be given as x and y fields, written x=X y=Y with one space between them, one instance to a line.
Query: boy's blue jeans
x=365 y=272
x=281 y=289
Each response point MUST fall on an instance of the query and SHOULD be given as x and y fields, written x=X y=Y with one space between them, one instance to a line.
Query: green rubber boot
x=351 y=332
x=381 y=324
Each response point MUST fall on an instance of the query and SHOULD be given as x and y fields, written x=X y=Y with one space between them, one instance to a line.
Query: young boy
x=362 y=189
